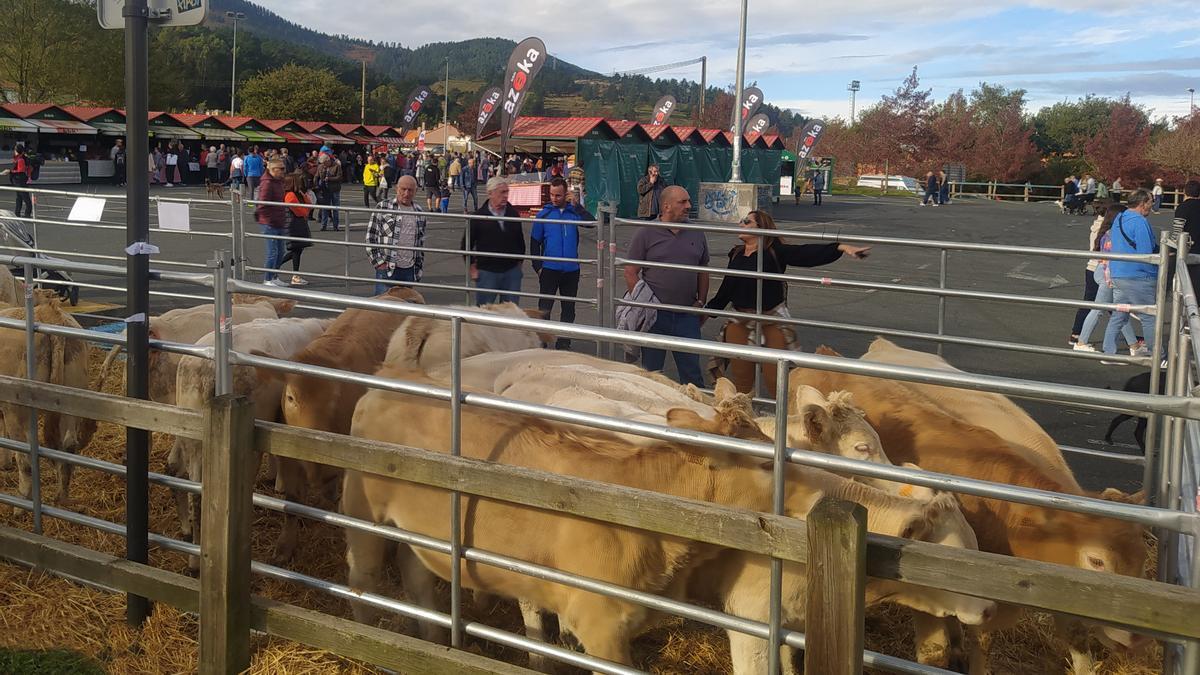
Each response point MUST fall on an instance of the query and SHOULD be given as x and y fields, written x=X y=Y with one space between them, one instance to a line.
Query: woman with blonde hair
x=742 y=293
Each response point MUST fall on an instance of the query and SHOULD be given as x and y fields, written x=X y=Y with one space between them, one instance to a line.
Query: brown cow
x=355 y=342
x=914 y=429
x=59 y=360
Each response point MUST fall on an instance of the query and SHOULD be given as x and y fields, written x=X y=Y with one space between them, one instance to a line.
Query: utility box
x=730 y=202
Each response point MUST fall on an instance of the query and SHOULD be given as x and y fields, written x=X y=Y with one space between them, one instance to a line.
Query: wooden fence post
x=230 y=465
x=837 y=572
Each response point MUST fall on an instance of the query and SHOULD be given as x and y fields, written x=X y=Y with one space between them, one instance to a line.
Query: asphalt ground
x=970 y=220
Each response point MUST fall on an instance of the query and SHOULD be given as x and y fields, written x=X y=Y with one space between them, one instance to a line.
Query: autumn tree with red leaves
x=1120 y=148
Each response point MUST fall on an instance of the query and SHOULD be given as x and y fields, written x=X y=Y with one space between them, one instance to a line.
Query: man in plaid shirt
x=396 y=223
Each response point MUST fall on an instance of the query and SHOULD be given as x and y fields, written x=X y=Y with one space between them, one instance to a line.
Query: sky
x=804 y=59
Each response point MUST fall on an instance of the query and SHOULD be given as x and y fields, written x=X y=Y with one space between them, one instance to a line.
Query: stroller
x=13 y=235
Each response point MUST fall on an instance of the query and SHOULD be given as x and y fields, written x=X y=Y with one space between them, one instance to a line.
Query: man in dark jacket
x=495 y=236
x=649 y=189
x=330 y=176
x=469 y=178
x=558 y=240
x=1188 y=211
x=433 y=183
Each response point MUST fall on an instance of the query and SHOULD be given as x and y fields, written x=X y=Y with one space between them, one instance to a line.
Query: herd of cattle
x=951 y=431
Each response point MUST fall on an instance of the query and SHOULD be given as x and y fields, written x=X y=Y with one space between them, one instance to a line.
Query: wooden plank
x=127 y=412
x=341 y=636
x=837 y=579
x=771 y=535
x=381 y=647
x=1136 y=603
x=1126 y=601
x=229 y=469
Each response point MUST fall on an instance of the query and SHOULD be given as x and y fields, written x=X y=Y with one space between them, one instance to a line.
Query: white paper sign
x=174 y=216
x=87 y=209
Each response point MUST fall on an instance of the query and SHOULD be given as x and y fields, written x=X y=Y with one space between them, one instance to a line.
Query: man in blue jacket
x=558 y=240
x=252 y=168
x=1134 y=283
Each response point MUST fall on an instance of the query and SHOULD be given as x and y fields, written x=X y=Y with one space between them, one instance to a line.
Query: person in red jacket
x=273 y=218
x=19 y=175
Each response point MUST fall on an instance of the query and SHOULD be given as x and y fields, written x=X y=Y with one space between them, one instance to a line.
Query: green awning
x=261 y=136
x=168 y=131
x=788 y=156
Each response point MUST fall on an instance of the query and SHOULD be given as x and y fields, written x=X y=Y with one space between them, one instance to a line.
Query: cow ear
x=723 y=389
x=816 y=421
x=686 y=418
x=1034 y=517
x=152 y=333
x=283 y=306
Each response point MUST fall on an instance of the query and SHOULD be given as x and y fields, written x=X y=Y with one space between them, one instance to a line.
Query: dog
x=214 y=189
x=1138 y=384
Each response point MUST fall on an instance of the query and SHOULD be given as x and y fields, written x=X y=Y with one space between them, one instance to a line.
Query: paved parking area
x=971 y=220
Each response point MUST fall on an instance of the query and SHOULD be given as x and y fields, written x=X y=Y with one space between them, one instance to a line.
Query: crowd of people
x=1081 y=192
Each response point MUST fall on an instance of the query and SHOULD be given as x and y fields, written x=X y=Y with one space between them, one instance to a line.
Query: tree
x=1177 y=152
x=1065 y=127
x=1004 y=148
x=1120 y=147
x=385 y=105
x=718 y=110
x=955 y=129
x=898 y=131
x=296 y=92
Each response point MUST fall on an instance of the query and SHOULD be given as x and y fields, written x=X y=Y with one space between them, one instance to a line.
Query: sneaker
x=1073 y=339
x=1083 y=347
x=297 y=280
x=1058 y=203
x=1140 y=350
x=170 y=185
x=277 y=282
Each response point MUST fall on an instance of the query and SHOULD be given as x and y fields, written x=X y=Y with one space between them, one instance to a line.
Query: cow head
x=403 y=294
x=832 y=425
x=283 y=306
x=734 y=418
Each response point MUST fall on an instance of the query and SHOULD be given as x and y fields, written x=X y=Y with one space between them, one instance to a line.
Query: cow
x=916 y=429
x=59 y=360
x=424 y=342
x=980 y=408
x=11 y=292
x=186 y=325
x=829 y=424
x=355 y=342
x=649 y=562
x=196 y=384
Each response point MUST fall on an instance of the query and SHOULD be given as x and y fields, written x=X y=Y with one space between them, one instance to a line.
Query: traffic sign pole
x=137 y=283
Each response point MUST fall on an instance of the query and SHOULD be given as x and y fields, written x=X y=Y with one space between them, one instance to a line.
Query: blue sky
x=803 y=59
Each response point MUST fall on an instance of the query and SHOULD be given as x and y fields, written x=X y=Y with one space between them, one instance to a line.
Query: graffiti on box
x=720 y=202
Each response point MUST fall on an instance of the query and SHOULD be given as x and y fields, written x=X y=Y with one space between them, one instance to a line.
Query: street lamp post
x=446 y=112
x=735 y=171
x=1191 y=99
x=854 y=88
x=235 y=16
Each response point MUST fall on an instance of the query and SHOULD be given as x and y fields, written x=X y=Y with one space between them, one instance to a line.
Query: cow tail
x=108 y=360
x=416 y=334
x=58 y=360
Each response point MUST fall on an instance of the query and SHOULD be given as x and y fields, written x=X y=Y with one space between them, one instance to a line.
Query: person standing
x=370 y=180
x=818 y=185
x=1157 y=194
x=943 y=188
x=433 y=180
x=1134 y=283
x=1189 y=212
x=237 y=171
x=1116 y=190
x=558 y=240
x=211 y=161
x=172 y=165
x=330 y=176
x=649 y=189
x=495 y=236
x=19 y=176
x=931 y=189
x=684 y=288
x=1102 y=242
x=293 y=183
x=273 y=220
x=454 y=171
x=117 y=155
x=469 y=179
x=743 y=293
x=252 y=169
x=397 y=223
x=390 y=174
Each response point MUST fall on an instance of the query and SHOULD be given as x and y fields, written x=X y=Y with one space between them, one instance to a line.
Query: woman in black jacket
x=742 y=293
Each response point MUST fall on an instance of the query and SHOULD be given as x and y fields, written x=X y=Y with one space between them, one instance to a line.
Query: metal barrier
x=1179 y=410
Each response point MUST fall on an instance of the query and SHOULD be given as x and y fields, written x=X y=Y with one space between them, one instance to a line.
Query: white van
x=904 y=183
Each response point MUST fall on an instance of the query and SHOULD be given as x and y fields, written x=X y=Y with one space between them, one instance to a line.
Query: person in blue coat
x=558 y=240
x=1134 y=283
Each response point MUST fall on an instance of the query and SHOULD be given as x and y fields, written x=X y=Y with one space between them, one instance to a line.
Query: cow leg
x=748 y=653
x=196 y=472
x=535 y=629
x=291 y=476
x=939 y=642
x=603 y=626
x=16 y=428
x=420 y=585
x=364 y=559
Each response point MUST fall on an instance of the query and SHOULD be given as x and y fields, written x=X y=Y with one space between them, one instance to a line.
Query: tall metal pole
x=703 y=87
x=363 y=113
x=233 y=83
x=735 y=172
x=446 y=111
x=137 y=299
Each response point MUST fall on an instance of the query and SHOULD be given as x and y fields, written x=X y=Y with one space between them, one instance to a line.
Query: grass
x=871 y=192
x=50 y=662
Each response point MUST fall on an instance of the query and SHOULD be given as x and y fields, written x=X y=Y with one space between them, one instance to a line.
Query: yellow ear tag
x=906 y=490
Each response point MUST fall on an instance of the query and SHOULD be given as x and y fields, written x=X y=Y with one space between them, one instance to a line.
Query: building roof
x=682 y=131
x=622 y=127
x=380 y=130
x=191 y=119
x=565 y=128
x=348 y=129
x=656 y=130
x=87 y=113
x=709 y=134
x=312 y=127
x=25 y=109
x=275 y=125
x=236 y=121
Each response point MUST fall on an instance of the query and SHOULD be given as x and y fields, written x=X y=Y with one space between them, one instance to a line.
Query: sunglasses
x=747 y=221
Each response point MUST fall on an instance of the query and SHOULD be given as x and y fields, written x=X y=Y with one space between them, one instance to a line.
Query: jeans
x=330 y=216
x=24 y=207
x=816 y=196
x=1089 y=294
x=565 y=285
x=370 y=196
x=1104 y=294
x=508 y=280
x=252 y=184
x=1157 y=202
x=1133 y=291
x=682 y=325
x=398 y=274
x=474 y=199
x=276 y=248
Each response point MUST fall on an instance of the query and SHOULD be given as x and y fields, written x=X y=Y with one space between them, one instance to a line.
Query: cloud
x=1080 y=62
x=807 y=38
x=1163 y=84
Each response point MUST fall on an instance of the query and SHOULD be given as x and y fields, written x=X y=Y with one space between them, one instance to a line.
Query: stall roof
x=350 y=130
x=382 y=130
x=710 y=135
x=557 y=128
x=325 y=132
x=656 y=130
x=18 y=125
x=25 y=110
x=291 y=131
x=89 y=113
x=684 y=133
x=74 y=127
x=166 y=125
x=621 y=127
x=110 y=128
x=210 y=126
